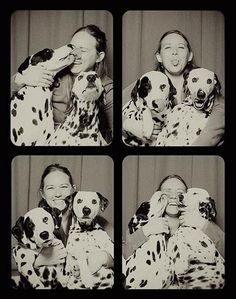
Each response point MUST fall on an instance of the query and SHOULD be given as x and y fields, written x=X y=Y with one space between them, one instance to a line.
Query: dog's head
x=88 y=86
x=87 y=204
x=154 y=207
x=197 y=198
x=53 y=60
x=35 y=229
x=201 y=86
x=152 y=90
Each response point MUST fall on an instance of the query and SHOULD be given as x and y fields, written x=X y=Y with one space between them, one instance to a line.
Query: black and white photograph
x=173 y=222
x=173 y=78
x=62 y=222
x=61 y=78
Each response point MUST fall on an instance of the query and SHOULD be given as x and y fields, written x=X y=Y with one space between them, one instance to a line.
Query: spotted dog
x=87 y=236
x=186 y=120
x=148 y=267
x=196 y=262
x=81 y=126
x=34 y=231
x=31 y=107
x=151 y=99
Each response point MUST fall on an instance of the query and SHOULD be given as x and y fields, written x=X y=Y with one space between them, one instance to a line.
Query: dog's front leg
x=85 y=274
x=147 y=123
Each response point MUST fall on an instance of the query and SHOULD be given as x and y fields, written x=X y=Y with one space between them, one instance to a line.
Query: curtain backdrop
x=33 y=30
x=142 y=31
x=90 y=173
x=142 y=175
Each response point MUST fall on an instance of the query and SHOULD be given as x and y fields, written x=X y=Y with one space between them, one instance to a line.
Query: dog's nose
x=154 y=105
x=91 y=78
x=44 y=235
x=86 y=211
x=201 y=94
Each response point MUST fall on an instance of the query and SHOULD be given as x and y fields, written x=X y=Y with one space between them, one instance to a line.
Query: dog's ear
x=18 y=229
x=172 y=94
x=134 y=92
x=24 y=65
x=104 y=202
x=208 y=209
x=217 y=85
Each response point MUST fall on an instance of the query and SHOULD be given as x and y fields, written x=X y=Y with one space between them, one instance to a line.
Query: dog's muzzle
x=86 y=211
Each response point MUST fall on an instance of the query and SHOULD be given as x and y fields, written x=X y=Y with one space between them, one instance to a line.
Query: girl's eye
x=79 y=200
x=64 y=186
x=94 y=201
x=45 y=219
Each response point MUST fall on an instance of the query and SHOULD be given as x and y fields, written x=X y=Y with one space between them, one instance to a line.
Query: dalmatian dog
x=148 y=267
x=31 y=107
x=34 y=231
x=81 y=126
x=196 y=262
x=151 y=99
x=87 y=236
x=186 y=120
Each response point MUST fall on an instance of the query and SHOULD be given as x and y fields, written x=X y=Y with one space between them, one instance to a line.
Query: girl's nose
x=174 y=51
x=58 y=193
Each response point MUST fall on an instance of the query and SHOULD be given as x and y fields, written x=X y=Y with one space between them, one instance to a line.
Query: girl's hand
x=52 y=255
x=98 y=259
x=35 y=75
x=156 y=225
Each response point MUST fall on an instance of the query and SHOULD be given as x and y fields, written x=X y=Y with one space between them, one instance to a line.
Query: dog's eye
x=209 y=81
x=194 y=80
x=45 y=219
x=79 y=78
x=162 y=87
x=79 y=200
x=94 y=201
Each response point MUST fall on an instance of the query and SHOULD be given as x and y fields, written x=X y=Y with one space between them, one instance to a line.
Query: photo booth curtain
x=143 y=174
x=142 y=31
x=33 y=30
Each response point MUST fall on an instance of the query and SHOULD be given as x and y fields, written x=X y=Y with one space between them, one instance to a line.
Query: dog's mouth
x=198 y=103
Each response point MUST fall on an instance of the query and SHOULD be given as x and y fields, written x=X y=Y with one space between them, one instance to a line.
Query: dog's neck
x=87 y=227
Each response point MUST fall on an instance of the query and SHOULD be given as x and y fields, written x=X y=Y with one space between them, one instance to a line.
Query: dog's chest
x=88 y=240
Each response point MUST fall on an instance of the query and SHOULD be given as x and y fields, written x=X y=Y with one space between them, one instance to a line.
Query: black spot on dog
x=148 y=262
x=35 y=122
x=45 y=273
x=40 y=115
x=14 y=112
x=143 y=283
x=14 y=135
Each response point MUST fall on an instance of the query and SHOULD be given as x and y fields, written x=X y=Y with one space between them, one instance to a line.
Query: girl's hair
x=189 y=66
x=101 y=46
x=52 y=168
x=172 y=176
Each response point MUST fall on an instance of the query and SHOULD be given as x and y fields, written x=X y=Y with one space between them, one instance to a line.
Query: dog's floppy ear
x=103 y=201
x=172 y=94
x=24 y=65
x=134 y=92
x=217 y=85
x=18 y=229
x=208 y=209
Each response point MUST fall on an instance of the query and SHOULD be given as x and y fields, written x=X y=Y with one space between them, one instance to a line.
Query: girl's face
x=172 y=188
x=56 y=188
x=174 y=54
x=86 y=55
